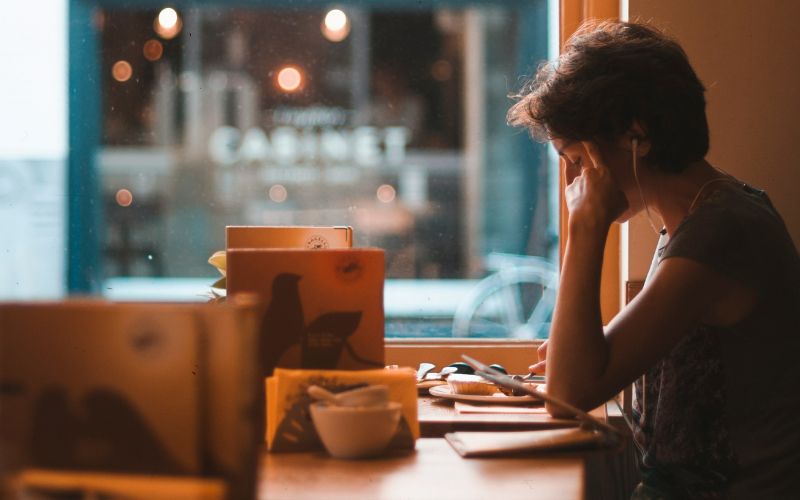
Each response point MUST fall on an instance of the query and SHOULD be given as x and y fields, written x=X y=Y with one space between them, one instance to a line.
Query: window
x=388 y=118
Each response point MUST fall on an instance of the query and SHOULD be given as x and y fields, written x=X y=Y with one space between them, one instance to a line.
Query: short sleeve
x=735 y=233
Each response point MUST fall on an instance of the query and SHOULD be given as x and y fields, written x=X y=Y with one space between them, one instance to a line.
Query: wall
x=746 y=53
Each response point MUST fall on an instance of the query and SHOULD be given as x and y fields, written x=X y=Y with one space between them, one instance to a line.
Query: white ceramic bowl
x=355 y=432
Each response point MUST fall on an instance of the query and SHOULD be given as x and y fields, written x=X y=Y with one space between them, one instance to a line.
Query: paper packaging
x=166 y=390
x=289 y=424
x=323 y=308
x=305 y=237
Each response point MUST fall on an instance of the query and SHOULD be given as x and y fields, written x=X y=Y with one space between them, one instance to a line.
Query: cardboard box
x=306 y=237
x=323 y=308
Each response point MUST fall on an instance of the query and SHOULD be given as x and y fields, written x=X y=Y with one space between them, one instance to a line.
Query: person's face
x=617 y=158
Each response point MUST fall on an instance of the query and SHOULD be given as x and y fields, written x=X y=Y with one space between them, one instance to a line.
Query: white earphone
x=634 y=147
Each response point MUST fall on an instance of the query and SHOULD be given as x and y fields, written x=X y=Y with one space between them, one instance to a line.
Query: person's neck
x=671 y=195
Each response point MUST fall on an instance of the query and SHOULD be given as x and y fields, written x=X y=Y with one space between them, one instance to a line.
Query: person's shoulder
x=737 y=231
x=733 y=211
x=740 y=199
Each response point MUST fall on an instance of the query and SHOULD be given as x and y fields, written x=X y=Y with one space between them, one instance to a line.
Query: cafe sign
x=289 y=146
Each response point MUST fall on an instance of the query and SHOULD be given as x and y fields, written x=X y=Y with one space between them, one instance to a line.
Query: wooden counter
x=433 y=471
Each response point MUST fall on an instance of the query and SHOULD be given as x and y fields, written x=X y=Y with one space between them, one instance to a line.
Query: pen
x=533 y=378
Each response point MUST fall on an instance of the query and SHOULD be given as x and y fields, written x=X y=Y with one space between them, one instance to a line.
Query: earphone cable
x=635 y=143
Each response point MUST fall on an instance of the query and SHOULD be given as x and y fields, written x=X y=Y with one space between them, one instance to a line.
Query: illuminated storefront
x=388 y=116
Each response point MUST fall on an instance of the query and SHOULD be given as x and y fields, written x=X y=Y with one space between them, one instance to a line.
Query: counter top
x=433 y=471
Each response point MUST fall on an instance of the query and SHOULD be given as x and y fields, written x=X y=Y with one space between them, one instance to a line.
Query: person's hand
x=593 y=198
x=540 y=367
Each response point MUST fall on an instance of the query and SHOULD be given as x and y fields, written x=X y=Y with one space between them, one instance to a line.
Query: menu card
x=323 y=308
x=289 y=424
x=479 y=444
x=462 y=408
x=150 y=399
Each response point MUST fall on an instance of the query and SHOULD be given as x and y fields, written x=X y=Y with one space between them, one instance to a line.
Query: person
x=711 y=339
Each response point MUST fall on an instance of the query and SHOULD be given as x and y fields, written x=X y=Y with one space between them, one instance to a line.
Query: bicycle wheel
x=514 y=302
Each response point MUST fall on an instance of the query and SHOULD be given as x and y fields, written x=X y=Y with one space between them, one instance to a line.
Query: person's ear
x=636 y=139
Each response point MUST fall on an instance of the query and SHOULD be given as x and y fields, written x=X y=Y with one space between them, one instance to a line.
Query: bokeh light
x=152 y=50
x=336 y=25
x=168 y=23
x=290 y=79
x=278 y=193
x=122 y=71
x=168 y=18
x=124 y=198
x=386 y=193
x=335 y=20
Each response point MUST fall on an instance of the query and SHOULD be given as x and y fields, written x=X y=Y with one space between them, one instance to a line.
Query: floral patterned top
x=717 y=417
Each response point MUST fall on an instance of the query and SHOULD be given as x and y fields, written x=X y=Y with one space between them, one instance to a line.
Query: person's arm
x=585 y=364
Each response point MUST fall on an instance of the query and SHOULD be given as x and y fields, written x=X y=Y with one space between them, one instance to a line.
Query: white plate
x=443 y=391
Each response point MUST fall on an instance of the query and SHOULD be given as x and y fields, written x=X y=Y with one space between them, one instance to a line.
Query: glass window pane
x=389 y=121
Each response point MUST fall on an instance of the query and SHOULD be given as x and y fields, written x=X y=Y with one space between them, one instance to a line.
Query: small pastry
x=472 y=385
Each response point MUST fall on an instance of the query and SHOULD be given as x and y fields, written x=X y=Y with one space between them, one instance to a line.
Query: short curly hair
x=610 y=74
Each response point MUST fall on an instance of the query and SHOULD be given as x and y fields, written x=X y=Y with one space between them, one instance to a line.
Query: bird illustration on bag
x=321 y=341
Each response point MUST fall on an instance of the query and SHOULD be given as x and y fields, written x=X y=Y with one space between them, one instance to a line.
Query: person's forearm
x=577 y=352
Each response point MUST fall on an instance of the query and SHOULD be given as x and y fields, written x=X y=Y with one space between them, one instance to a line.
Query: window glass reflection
x=339 y=116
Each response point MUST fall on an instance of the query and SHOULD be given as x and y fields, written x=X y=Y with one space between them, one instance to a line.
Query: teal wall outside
x=84 y=217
